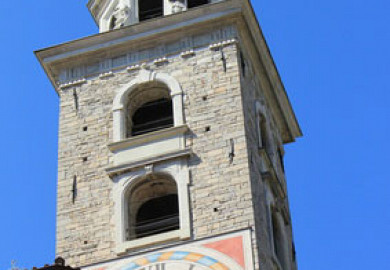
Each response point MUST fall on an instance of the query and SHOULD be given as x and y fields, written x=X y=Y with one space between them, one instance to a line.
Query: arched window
x=149 y=9
x=196 y=3
x=157 y=215
x=262 y=131
x=153 y=207
x=154 y=99
x=149 y=109
x=262 y=127
x=278 y=249
x=152 y=116
x=279 y=239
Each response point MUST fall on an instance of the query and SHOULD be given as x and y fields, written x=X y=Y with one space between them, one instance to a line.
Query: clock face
x=182 y=265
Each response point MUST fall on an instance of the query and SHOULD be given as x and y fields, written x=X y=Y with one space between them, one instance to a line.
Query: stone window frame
x=273 y=213
x=176 y=170
x=261 y=115
x=145 y=77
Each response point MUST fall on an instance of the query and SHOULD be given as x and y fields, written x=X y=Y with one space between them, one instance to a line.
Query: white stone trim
x=217 y=46
x=187 y=54
x=73 y=83
x=161 y=61
x=145 y=76
x=105 y=20
x=106 y=75
x=178 y=170
x=133 y=68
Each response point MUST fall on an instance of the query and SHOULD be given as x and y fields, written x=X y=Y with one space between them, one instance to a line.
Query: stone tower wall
x=220 y=188
x=254 y=82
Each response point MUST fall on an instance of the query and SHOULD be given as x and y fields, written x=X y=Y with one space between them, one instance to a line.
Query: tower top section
x=115 y=14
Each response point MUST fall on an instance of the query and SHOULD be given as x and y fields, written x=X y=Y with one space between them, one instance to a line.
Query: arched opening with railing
x=152 y=207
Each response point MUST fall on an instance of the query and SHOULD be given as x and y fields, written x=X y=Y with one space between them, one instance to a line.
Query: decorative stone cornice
x=187 y=54
x=217 y=46
x=72 y=83
x=106 y=75
x=161 y=61
x=134 y=68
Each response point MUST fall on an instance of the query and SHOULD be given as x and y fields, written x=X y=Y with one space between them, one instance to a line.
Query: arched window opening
x=196 y=3
x=153 y=207
x=158 y=216
x=152 y=116
x=149 y=109
x=149 y=9
x=278 y=239
x=262 y=132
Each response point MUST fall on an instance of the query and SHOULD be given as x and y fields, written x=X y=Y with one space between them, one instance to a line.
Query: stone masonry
x=220 y=192
x=222 y=76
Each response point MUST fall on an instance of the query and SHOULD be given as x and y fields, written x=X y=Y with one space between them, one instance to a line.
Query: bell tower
x=172 y=126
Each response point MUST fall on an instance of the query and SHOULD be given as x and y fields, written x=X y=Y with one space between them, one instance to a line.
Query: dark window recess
x=263 y=132
x=112 y=23
x=243 y=64
x=196 y=3
x=281 y=159
x=277 y=238
x=149 y=9
x=158 y=216
x=152 y=116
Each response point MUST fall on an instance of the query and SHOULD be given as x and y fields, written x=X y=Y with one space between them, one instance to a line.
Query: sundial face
x=174 y=260
x=174 y=266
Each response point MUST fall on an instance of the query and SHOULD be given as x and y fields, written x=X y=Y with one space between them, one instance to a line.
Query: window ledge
x=268 y=171
x=152 y=240
x=149 y=146
x=148 y=137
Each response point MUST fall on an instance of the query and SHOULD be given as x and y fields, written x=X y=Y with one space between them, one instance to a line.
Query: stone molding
x=72 y=83
x=125 y=167
x=148 y=137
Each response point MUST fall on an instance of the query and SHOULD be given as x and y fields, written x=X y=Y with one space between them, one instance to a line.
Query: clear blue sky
x=334 y=59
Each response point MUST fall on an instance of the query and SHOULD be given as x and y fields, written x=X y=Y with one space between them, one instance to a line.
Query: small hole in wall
x=207 y=129
x=85 y=128
x=85 y=159
x=85 y=242
x=204 y=98
x=216 y=210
